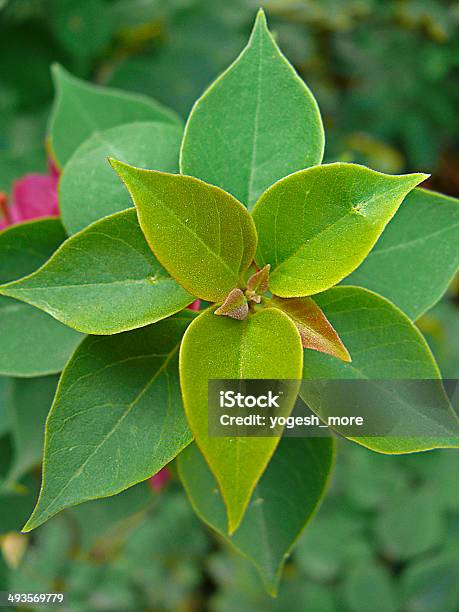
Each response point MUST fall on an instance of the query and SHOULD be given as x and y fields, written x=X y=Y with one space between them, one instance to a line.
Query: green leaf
x=88 y=189
x=81 y=109
x=117 y=417
x=315 y=329
x=33 y=343
x=316 y=226
x=223 y=348
x=282 y=503
x=30 y=403
x=384 y=345
x=203 y=236
x=103 y=280
x=257 y=123
x=414 y=261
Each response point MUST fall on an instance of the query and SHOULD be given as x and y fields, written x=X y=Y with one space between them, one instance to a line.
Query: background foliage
x=386 y=76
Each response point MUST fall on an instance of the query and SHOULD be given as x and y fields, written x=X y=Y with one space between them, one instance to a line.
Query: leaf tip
x=29 y=526
x=261 y=23
x=118 y=166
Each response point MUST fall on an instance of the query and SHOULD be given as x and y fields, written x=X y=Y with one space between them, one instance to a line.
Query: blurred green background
x=386 y=76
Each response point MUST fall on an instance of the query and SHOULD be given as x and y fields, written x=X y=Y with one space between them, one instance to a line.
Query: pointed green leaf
x=316 y=226
x=384 y=345
x=31 y=401
x=81 y=108
x=265 y=345
x=117 y=417
x=417 y=256
x=315 y=329
x=103 y=280
x=89 y=190
x=203 y=236
x=257 y=123
x=282 y=504
x=32 y=342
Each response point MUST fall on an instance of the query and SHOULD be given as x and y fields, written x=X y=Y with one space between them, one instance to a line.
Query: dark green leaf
x=33 y=343
x=117 y=418
x=282 y=503
x=432 y=584
x=384 y=345
x=415 y=259
x=30 y=403
x=399 y=536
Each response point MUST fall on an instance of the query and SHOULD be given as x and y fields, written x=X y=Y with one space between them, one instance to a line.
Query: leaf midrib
x=217 y=256
x=140 y=281
x=339 y=220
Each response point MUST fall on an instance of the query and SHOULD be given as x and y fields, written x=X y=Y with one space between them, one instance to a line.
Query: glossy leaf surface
x=88 y=189
x=117 y=418
x=257 y=123
x=81 y=108
x=203 y=236
x=103 y=280
x=384 y=345
x=316 y=226
x=416 y=258
x=266 y=345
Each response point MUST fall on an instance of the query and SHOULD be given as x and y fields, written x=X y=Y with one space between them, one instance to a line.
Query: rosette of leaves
x=252 y=222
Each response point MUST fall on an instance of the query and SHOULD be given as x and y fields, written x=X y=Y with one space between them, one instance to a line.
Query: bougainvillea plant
x=312 y=270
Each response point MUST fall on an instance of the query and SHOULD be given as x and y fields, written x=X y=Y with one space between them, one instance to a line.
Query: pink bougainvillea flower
x=33 y=196
x=159 y=480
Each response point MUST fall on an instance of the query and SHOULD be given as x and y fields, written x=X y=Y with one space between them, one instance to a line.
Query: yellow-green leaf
x=266 y=345
x=203 y=236
x=316 y=226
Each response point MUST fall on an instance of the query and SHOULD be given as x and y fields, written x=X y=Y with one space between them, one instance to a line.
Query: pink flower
x=33 y=196
x=195 y=305
x=159 y=480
